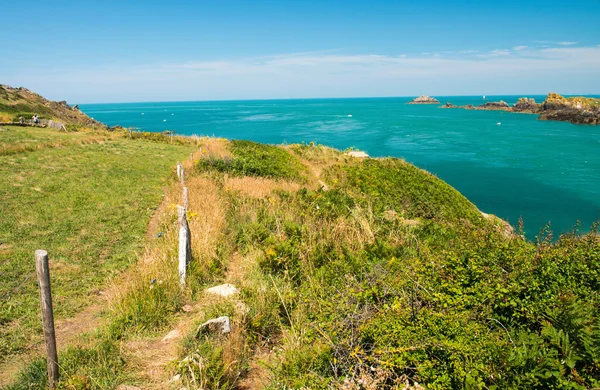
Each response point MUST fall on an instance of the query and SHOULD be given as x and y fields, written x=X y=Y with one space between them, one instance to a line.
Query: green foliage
x=392 y=184
x=95 y=368
x=147 y=307
x=451 y=300
x=254 y=159
x=565 y=354
x=204 y=369
x=87 y=204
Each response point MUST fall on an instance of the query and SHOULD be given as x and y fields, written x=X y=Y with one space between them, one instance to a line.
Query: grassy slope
x=389 y=277
x=17 y=102
x=393 y=276
x=87 y=200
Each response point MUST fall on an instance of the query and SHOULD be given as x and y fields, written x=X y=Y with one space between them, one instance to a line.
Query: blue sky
x=117 y=51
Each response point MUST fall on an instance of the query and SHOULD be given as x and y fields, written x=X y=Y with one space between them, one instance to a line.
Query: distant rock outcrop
x=581 y=110
x=571 y=115
x=526 y=105
x=424 y=100
x=501 y=105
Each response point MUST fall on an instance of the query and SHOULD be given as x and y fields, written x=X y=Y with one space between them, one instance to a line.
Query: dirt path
x=69 y=330
x=152 y=357
x=68 y=333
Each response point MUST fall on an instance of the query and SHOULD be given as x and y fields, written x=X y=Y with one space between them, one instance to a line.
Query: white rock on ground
x=224 y=290
x=220 y=324
x=357 y=153
x=174 y=334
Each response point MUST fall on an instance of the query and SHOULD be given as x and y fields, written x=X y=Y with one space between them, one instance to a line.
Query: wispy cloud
x=332 y=73
x=561 y=43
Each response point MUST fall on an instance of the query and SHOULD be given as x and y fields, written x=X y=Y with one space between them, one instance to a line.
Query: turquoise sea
x=508 y=164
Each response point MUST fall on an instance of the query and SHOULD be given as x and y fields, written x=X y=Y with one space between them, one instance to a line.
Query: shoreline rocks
x=577 y=110
x=501 y=105
x=526 y=105
x=424 y=100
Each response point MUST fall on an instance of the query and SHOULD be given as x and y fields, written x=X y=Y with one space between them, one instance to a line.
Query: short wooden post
x=185 y=197
x=182 y=176
x=179 y=168
x=43 y=276
x=185 y=244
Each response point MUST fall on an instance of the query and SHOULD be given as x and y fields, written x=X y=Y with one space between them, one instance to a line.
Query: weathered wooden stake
x=185 y=197
x=182 y=176
x=179 y=168
x=185 y=244
x=43 y=276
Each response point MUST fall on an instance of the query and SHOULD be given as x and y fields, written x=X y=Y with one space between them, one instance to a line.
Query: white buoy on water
x=164 y=120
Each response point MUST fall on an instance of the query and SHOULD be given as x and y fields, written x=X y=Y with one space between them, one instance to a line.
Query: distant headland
x=581 y=110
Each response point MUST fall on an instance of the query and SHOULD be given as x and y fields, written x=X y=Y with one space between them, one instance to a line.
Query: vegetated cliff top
x=577 y=102
x=16 y=102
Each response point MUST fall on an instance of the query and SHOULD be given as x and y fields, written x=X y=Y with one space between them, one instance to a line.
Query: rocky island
x=581 y=110
x=424 y=100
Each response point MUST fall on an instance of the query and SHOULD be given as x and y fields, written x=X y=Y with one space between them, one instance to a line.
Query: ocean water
x=508 y=164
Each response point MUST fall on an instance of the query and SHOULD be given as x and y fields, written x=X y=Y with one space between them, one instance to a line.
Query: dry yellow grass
x=214 y=148
x=258 y=187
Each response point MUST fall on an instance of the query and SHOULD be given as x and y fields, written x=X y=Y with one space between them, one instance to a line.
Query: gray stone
x=224 y=290
x=172 y=335
x=220 y=325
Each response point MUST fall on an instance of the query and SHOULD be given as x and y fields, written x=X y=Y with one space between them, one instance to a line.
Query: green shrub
x=254 y=159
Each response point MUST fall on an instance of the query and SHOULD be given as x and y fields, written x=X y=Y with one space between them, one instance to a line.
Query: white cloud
x=519 y=48
x=502 y=52
x=326 y=74
x=561 y=43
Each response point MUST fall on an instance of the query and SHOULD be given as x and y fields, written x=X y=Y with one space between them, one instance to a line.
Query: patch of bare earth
x=69 y=332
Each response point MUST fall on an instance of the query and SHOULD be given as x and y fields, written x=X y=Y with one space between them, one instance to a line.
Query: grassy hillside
x=353 y=274
x=21 y=102
x=86 y=197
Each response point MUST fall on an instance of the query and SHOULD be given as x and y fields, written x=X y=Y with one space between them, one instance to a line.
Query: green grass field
x=387 y=279
x=86 y=198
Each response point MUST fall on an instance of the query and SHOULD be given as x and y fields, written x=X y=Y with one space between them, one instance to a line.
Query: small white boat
x=499 y=123
x=164 y=120
x=483 y=97
x=349 y=115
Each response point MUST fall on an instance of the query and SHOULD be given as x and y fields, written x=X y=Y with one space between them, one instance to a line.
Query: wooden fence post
x=185 y=197
x=185 y=244
x=43 y=276
x=179 y=168
x=182 y=176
